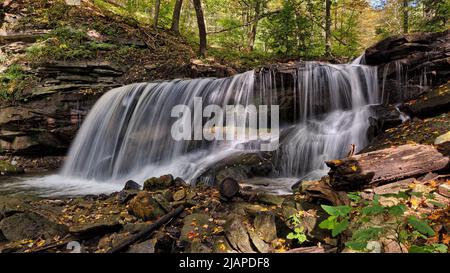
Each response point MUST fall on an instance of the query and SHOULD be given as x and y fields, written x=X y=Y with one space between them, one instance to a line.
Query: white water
x=127 y=133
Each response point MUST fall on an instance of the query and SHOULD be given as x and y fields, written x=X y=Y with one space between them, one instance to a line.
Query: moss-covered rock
x=7 y=168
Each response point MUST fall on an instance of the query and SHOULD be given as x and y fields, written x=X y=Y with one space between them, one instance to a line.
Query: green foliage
x=67 y=43
x=421 y=226
x=338 y=221
x=298 y=235
x=12 y=82
x=363 y=219
x=434 y=248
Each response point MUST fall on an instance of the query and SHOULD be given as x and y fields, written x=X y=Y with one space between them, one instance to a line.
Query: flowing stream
x=127 y=134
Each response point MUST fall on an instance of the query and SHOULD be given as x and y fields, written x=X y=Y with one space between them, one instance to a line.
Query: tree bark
x=201 y=26
x=254 y=27
x=156 y=18
x=176 y=16
x=405 y=16
x=386 y=166
x=328 y=27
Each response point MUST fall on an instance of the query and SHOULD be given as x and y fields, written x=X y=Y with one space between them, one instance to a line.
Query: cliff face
x=411 y=65
x=57 y=60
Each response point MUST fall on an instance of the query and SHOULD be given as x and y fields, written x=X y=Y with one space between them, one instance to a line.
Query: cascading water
x=334 y=102
x=127 y=133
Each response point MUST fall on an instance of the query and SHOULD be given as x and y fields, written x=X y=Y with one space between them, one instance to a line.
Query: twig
x=147 y=231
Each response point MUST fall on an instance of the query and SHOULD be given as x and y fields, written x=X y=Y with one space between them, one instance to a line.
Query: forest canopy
x=305 y=28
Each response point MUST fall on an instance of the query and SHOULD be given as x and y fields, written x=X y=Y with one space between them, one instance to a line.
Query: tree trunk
x=201 y=26
x=386 y=166
x=328 y=27
x=254 y=27
x=156 y=18
x=405 y=16
x=176 y=16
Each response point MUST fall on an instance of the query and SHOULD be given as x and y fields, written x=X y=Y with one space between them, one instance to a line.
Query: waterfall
x=348 y=91
x=127 y=133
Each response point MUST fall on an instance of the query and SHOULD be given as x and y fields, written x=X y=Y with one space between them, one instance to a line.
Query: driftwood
x=147 y=231
x=386 y=166
x=229 y=188
x=322 y=190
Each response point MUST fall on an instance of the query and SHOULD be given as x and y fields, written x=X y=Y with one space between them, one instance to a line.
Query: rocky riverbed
x=168 y=216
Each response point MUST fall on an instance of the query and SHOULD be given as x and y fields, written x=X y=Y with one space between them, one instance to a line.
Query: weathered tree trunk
x=156 y=18
x=201 y=26
x=328 y=27
x=254 y=27
x=405 y=16
x=385 y=166
x=176 y=16
x=229 y=188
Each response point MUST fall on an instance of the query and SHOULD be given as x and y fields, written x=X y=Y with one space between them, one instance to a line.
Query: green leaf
x=367 y=234
x=356 y=245
x=419 y=249
x=340 y=227
x=291 y=236
x=337 y=210
x=397 y=210
x=354 y=196
x=437 y=204
x=420 y=226
x=372 y=210
x=434 y=248
x=328 y=223
x=440 y=248
x=299 y=229
x=416 y=194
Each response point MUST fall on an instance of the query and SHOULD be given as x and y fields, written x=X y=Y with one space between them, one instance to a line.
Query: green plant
x=364 y=217
x=338 y=221
x=12 y=82
x=298 y=234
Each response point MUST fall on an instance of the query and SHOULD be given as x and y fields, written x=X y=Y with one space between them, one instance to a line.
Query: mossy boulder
x=145 y=207
x=161 y=183
x=7 y=168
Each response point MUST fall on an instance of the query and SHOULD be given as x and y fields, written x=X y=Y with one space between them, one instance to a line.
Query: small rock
x=162 y=202
x=195 y=225
x=270 y=199
x=144 y=247
x=126 y=195
x=161 y=183
x=444 y=189
x=237 y=235
x=198 y=247
x=374 y=247
x=260 y=245
x=131 y=185
x=97 y=228
x=265 y=226
x=145 y=207
x=442 y=139
x=179 y=182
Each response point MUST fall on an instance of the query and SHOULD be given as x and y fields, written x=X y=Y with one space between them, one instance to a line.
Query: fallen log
x=146 y=231
x=385 y=166
x=229 y=188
